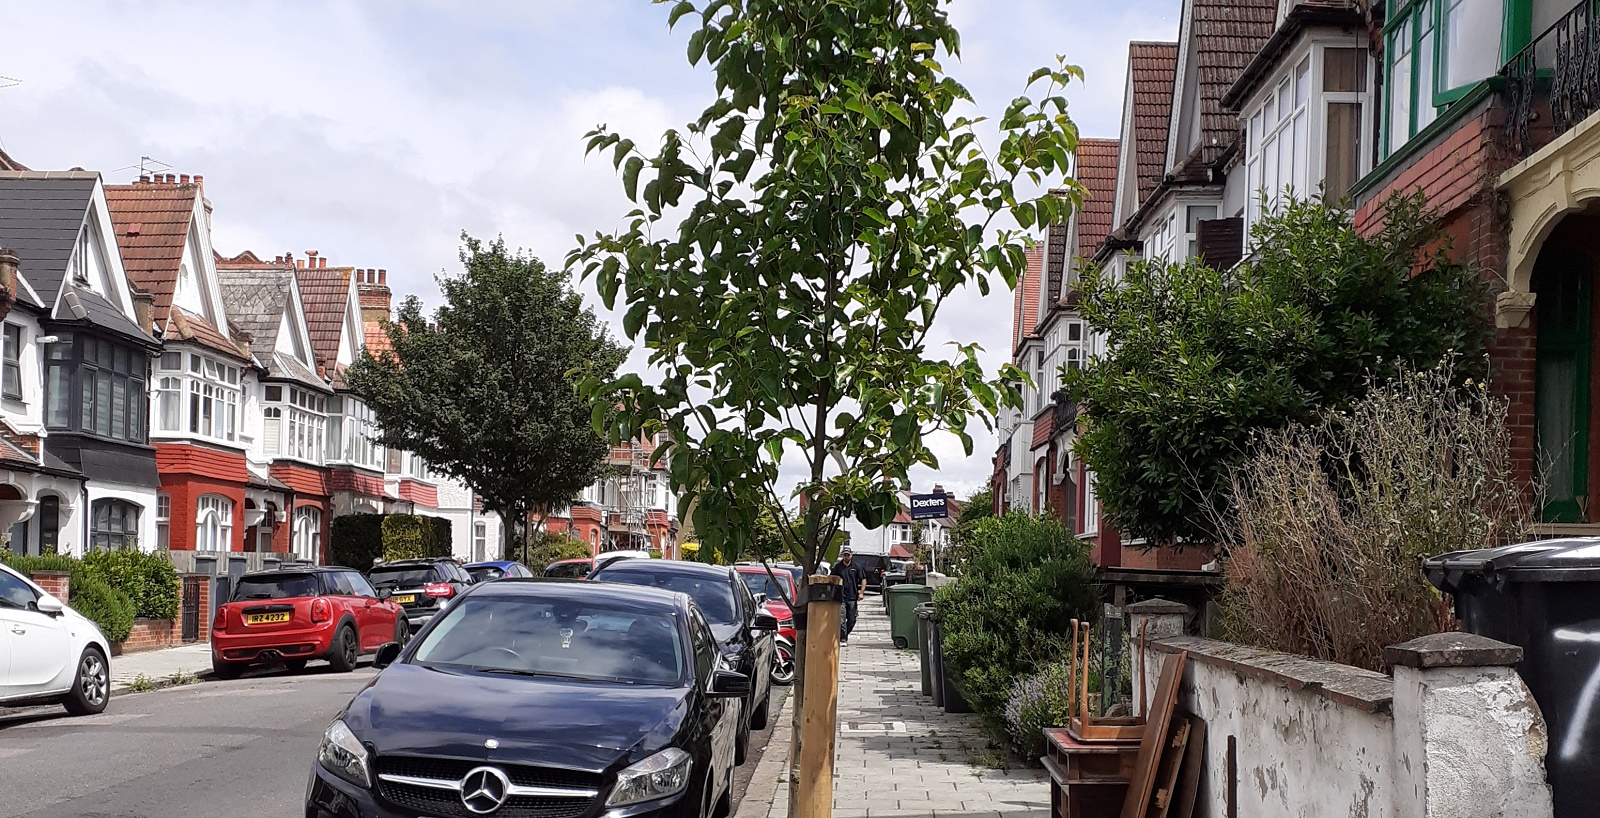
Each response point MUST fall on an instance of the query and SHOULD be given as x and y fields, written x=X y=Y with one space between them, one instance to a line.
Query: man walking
x=855 y=587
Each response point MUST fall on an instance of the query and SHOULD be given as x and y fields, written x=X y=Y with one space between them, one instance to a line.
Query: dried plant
x=1333 y=519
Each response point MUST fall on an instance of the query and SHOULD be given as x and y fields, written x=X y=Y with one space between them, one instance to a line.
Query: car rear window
x=486 y=573
x=713 y=595
x=568 y=570
x=760 y=583
x=277 y=586
x=402 y=576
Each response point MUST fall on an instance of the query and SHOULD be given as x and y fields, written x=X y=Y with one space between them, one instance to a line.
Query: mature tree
x=1201 y=361
x=792 y=249
x=484 y=390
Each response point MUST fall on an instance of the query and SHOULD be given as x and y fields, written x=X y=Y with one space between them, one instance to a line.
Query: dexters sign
x=927 y=506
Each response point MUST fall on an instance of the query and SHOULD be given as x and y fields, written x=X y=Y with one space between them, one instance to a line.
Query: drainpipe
x=84 y=513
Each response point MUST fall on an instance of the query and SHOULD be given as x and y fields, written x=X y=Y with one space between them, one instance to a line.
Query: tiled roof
x=1097 y=172
x=41 y=215
x=7 y=163
x=256 y=294
x=152 y=224
x=377 y=340
x=1152 y=67
x=1344 y=14
x=1026 y=299
x=326 y=294
x=1225 y=36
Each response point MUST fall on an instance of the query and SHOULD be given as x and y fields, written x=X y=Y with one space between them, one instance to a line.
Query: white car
x=49 y=652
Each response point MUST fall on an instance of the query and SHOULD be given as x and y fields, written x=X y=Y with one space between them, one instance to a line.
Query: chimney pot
x=300 y=263
x=322 y=263
x=166 y=177
x=382 y=275
x=199 y=180
x=183 y=178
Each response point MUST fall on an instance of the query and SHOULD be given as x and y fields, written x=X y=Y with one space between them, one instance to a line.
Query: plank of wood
x=814 y=795
x=1142 y=787
x=1171 y=765
x=1193 y=765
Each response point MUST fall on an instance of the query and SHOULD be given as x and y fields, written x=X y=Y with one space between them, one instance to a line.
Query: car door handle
x=18 y=630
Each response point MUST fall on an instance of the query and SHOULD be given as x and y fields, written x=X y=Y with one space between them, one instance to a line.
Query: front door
x=1562 y=279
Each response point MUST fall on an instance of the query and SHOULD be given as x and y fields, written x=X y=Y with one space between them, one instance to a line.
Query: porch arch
x=1560 y=179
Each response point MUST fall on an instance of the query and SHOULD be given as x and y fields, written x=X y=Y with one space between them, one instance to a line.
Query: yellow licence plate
x=263 y=619
x=403 y=599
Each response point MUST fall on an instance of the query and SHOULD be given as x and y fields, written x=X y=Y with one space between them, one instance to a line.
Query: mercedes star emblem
x=492 y=744
x=484 y=790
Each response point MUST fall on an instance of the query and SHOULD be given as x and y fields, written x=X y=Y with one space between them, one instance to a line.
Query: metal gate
x=191 y=607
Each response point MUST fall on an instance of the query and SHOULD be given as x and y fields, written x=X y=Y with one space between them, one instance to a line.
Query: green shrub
x=547 y=547
x=356 y=540
x=110 y=609
x=1037 y=701
x=149 y=580
x=1008 y=614
x=443 y=536
x=409 y=536
x=27 y=565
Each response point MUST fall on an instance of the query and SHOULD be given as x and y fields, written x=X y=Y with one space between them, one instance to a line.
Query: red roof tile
x=326 y=291
x=377 y=340
x=1152 y=67
x=1226 y=36
x=1026 y=299
x=1097 y=171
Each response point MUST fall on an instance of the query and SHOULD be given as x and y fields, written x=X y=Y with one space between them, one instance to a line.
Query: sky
x=376 y=132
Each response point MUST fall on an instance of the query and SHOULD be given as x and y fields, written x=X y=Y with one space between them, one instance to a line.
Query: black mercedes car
x=537 y=697
x=743 y=630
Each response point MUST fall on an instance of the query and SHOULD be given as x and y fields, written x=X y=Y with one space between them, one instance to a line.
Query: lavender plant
x=1038 y=700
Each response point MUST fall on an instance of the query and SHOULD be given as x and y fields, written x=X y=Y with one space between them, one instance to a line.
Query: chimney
x=382 y=275
x=322 y=263
x=376 y=300
x=300 y=263
x=183 y=178
x=8 y=280
x=144 y=304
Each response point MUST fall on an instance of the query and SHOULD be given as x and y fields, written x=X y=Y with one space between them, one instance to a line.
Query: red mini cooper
x=294 y=615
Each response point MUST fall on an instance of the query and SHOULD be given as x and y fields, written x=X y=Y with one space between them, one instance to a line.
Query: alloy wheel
x=92 y=681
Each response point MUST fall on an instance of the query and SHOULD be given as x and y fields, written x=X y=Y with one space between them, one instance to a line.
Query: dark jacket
x=853 y=578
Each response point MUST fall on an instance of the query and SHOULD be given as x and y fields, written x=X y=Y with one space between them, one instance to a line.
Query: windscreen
x=402 y=576
x=568 y=570
x=713 y=595
x=560 y=638
x=277 y=586
x=763 y=584
x=486 y=573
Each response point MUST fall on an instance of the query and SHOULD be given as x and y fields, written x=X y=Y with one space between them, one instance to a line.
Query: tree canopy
x=1200 y=361
x=792 y=248
x=484 y=389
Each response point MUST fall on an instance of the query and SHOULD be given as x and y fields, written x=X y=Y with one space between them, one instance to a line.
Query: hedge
x=102 y=601
x=149 y=580
x=357 y=540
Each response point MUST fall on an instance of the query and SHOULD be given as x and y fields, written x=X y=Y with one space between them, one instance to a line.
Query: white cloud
x=375 y=132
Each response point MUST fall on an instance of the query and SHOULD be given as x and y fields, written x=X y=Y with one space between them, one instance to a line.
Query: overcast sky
x=375 y=132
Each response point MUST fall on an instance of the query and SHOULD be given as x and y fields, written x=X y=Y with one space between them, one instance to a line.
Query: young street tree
x=793 y=247
x=1200 y=362
x=484 y=391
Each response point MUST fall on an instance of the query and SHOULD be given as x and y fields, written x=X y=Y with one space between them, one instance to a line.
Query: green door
x=1561 y=383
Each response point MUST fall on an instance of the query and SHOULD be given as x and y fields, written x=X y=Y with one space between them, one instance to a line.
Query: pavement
x=898 y=755
x=160 y=665
x=240 y=747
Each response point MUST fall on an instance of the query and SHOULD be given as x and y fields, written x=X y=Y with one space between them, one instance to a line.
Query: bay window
x=351 y=429
x=197 y=394
x=96 y=386
x=11 y=383
x=295 y=423
x=1438 y=50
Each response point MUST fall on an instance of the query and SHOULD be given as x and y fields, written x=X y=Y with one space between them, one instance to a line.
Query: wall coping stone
x=50 y=574
x=1354 y=687
x=1452 y=650
x=1156 y=607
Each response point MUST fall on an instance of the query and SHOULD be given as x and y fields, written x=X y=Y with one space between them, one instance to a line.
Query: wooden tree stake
x=814 y=784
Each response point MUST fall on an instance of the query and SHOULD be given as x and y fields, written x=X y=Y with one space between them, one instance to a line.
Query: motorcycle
x=783 y=661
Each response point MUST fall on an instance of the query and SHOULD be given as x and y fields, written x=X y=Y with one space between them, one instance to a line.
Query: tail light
x=221 y=622
x=439 y=590
x=321 y=611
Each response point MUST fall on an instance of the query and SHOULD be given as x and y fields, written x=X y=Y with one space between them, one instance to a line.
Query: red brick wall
x=1453 y=172
x=185 y=490
x=1166 y=559
x=149 y=634
x=205 y=609
x=54 y=583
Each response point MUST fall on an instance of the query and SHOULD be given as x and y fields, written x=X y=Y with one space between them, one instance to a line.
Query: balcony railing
x=1565 y=58
x=1066 y=411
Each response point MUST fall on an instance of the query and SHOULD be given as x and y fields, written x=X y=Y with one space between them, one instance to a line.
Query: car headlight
x=342 y=754
x=663 y=774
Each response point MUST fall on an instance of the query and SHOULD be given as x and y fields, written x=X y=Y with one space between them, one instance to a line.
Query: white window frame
x=1310 y=173
x=302 y=420
x=163 y=521
x=308 y=534
x=1091 y=507
x=196 y=395
x=213 y=524
x=480 y=541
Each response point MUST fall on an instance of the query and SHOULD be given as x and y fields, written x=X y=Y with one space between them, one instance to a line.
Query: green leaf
x=630 y=178
x=678 y=11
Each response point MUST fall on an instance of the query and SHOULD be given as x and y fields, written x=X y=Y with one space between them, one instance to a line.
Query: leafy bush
x=112 y=610
x=443 y=536
x=1039 y=700
x=405 y=537
x=27 y=565
x=149 y=580
x=1334 y=517
x=356 y=540
x=547 y=547
x=1008 y=614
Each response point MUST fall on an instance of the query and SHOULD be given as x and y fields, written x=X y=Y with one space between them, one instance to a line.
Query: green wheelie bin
x=903 y=602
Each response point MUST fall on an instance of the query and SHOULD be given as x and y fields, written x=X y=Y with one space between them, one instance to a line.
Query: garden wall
x=1454 y=732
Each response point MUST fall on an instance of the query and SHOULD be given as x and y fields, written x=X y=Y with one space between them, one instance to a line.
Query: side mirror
x=387 y=653
x=765 y=622
x=49 y=605
x=383 y=593
x=727 y=683
x=761 y=599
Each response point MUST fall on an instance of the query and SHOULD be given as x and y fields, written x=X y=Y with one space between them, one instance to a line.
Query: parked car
x=775 y=590
x=294 y=615
x=534 y=697
x=872 y=567
x=569 y=569
x=57 y=655
x=743 y=631
x=607 y=557
x=497 y=569
x=421 y=586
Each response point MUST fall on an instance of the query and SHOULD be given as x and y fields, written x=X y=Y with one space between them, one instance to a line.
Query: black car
x=421 y=587
x=535 y=697
x=743 y=630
